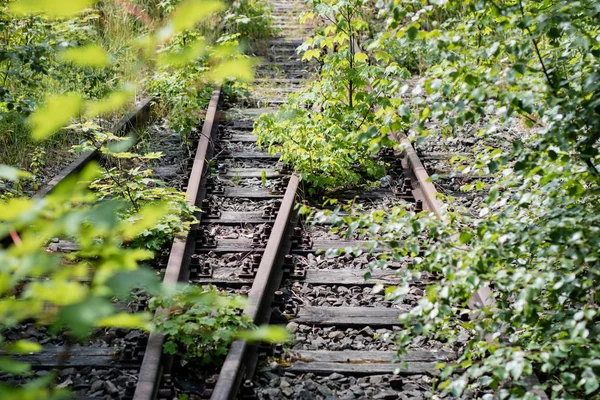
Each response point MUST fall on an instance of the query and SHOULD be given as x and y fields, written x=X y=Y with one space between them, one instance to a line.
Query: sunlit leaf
x=265 y=333
x=52 y=8
x=13 y=208
x=56 y=113
x=361 y=57
x=310 y=54
x=87 y=56
x=13 y=367
x=121 y=145
x=190 y=53
x=12 y=174
x=80 y=318
x=114 y=101
x=240 y=69
x=146 y=218
x=122 y=283
x=188 y=13
x=23 y=347
x=126 y=320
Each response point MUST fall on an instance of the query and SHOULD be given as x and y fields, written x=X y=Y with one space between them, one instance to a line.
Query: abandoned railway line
x=250 y=240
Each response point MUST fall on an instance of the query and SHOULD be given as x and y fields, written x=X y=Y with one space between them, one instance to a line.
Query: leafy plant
x=199 y=323
x=74 y=293
x=496 y=65
x=127 y=176
x=331 y=130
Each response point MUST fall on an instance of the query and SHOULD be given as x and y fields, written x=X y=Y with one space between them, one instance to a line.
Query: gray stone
x=292 y=327
x=386 y=395
x=376 y=379
x=304 y=394
x=273 y=393
x=284 y=383
x=357 y=390
x=287 y=391
x=110 y=387
x=336 y=335
x=348 y=395
x=324 y=390
x=97 y=385
x=335 y=376
x=310 y=384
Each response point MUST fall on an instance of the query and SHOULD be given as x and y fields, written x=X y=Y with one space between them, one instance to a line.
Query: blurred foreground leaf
x=54 y=114
x=265 y=333
x=52 y=8
x=87 y=56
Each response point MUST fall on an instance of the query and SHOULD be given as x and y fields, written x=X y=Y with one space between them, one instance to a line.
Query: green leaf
x=465 y=237
x=182 y=57
x=81 y=318
x=126 y=320
x=412 y=32
x=493 y=166
x=23 y=347
x=122 y=283
x=170 y=347
x=12 y=174
x=310 y=54
x=52 y=8
x=361 y=57
x=265 y=333
x=239 y=68
x=114 y=101
x=591 y=384
x=14 y=367
x=190 y=12
x=87 y=56
x=54 y=115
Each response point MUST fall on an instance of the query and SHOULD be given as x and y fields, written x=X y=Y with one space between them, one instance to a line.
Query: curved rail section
x=426 y=192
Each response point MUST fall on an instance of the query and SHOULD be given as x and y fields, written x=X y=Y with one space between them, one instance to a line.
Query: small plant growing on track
x=139 y=189
x=127 y=176
x=330 y=131
x=200 y=323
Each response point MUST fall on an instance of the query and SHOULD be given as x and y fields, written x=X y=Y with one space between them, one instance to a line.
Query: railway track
x=251 y=241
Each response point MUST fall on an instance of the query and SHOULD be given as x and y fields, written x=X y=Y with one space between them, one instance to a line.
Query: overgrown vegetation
x=330 y=131
x=103 y=48
x=128 y=175
x=534 y=242
x=199 y=323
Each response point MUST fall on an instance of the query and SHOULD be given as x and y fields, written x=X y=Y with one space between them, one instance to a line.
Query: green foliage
x=330 y=131
x=250 y=19
x=71 y=292
x=199 y=323
x=74 y=293
x=534 y=241
x=128 y=176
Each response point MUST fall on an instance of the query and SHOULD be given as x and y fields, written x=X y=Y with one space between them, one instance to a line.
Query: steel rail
x=425 y=191
x=138 y=117
x=181 y=250
x=241 y=358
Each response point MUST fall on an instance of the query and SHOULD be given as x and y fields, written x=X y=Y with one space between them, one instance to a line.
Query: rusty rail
x=425 y=191
x=152 y=366
x=241 y=359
